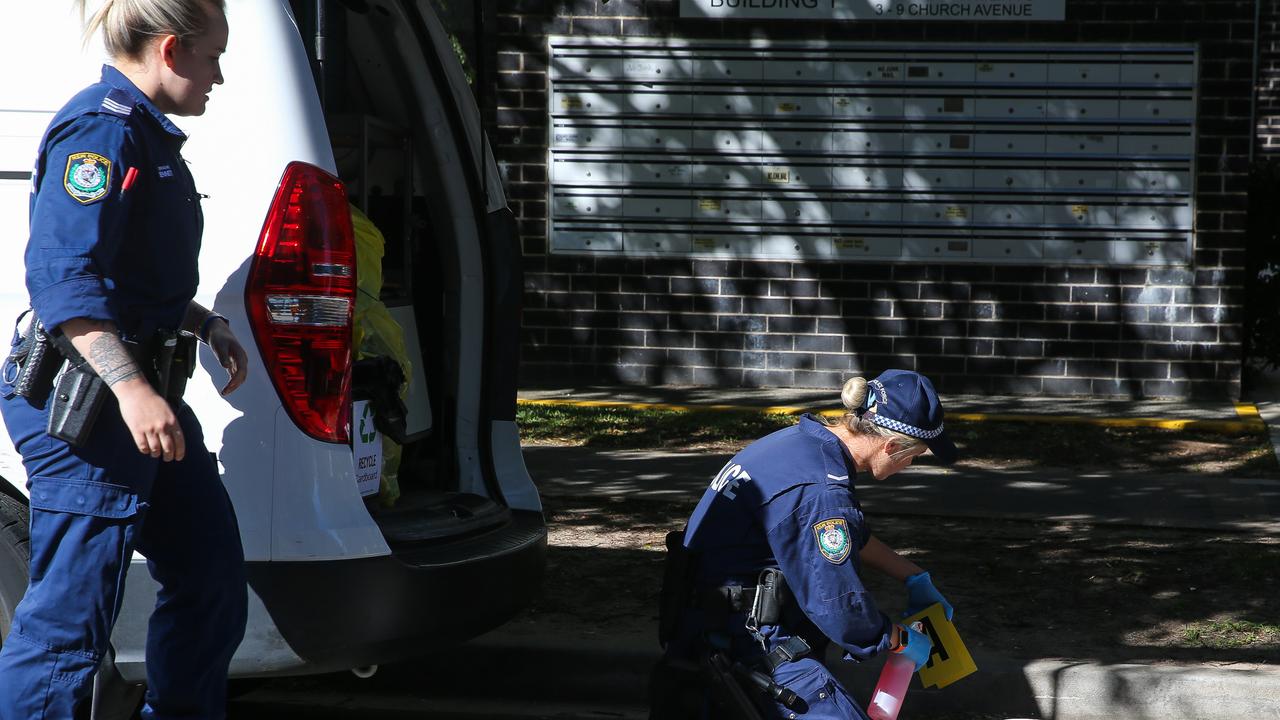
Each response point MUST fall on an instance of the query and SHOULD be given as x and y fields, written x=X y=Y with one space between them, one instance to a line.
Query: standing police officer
x=775 y=550
x=112 y=270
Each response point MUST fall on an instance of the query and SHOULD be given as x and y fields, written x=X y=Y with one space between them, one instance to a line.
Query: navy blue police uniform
x=787 y=504
x=115 y=236
x=787 y=501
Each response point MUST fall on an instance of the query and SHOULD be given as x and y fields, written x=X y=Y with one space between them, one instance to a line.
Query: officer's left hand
x=921 y=594
x=229 y=353
x=916 y=646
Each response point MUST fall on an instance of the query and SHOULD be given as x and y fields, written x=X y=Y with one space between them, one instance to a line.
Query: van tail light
x=300 y=296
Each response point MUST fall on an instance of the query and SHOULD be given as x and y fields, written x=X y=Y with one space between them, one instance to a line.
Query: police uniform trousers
x=91 y=507
x=823 y=695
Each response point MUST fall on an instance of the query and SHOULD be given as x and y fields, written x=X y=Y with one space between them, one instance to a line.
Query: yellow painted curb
x=1247 y=410
x=1248 y=422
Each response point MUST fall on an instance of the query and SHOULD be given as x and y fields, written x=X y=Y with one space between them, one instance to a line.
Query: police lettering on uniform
x=111 y=268
x=767 y=572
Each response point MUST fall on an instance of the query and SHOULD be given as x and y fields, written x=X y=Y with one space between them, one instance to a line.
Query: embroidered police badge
x=88 y=177
x=833 y=539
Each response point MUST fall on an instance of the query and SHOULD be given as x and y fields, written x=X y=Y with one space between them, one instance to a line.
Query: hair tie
x=861 y=409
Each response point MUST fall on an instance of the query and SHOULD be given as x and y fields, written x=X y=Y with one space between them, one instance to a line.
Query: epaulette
x=117 y=102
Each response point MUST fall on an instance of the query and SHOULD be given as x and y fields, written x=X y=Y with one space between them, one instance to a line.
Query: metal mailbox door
x=588 y=172
x=729 y=209
x=867 y=211
x=858 y=141
x=1010 y=72
x=735 y=104
x=777 y=208
x=658 y=138
x=656 y=207
x=726 y=174
x=728 y=140
x=869 y=177
x=1064 y=72
x=656 y=243
x=941 y=248
x=1083 y=250
x=1010 y=178
x=1008 y=249
x=586 y=206
x=742 y=70
x=867 y=246
x=796 y=247
x=1067 y=178
x=868 y=107
x=1008 y=212
x=724 y=245
x=937 y=178
x=1013 y=141
x=598 y=240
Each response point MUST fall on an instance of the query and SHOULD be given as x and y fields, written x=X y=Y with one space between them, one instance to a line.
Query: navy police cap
x=905 y=401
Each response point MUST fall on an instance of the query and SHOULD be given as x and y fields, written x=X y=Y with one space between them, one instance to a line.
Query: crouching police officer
x=115 y=461
x=767 y=571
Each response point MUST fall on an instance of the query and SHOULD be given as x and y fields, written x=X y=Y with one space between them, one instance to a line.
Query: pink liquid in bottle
x=891 y=689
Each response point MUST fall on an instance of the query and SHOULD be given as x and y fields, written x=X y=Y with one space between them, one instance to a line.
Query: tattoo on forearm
x=111 y=360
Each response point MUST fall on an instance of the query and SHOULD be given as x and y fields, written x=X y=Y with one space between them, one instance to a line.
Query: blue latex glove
x=921 y=594
x=918 y=646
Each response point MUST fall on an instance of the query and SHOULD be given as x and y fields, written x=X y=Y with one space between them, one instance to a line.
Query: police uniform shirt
x=787 y=501
x=115 y=218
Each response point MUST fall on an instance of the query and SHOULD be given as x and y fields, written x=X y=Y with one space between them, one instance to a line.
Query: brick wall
x=1268 y=90
x=1024 y=330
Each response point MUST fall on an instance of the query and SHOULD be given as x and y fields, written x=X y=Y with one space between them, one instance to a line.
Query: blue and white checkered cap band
x=906 y=429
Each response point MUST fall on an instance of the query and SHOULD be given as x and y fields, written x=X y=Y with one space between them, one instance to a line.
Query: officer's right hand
x=151 y=420
x=917 y=646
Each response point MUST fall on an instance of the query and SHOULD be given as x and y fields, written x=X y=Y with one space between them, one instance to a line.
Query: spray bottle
x=891 y=689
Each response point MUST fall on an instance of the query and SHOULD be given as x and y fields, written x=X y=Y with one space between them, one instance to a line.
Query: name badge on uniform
x=164 y=171
x=88 y=177
x=833 y=539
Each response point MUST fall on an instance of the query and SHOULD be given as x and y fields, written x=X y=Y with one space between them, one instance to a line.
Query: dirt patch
x=1021 y=589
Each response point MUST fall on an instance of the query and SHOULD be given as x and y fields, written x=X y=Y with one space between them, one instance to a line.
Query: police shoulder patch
x=88 y=177
x=832 y=536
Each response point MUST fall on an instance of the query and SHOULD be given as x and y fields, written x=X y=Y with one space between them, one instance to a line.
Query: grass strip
x=987 y=444
x=1249 y=420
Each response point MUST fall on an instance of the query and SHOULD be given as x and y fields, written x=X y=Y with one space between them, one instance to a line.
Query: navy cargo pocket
x=822 y=697
x=84 y=497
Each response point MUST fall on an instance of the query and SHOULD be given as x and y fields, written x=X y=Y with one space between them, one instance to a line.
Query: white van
x=337 y=581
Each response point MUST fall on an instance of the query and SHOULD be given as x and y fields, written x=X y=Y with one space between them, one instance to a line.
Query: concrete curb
x=1249 y=421
x=1057 y=689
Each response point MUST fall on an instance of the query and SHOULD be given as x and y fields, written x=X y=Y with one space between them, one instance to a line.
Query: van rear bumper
x=348 y=613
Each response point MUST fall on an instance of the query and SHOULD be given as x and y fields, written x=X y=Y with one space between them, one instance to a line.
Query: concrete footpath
x=1053 y=689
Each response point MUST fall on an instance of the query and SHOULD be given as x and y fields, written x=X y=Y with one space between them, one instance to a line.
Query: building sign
x=962 y=10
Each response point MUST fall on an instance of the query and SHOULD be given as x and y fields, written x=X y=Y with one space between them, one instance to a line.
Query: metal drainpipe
x=322 y=81
x=1257 y=72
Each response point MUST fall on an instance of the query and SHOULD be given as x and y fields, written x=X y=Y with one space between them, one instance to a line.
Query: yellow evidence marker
x=950 y=660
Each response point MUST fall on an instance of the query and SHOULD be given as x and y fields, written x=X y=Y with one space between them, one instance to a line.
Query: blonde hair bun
x=853 y=393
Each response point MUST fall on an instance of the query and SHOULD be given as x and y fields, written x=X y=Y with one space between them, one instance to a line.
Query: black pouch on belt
x=167 y=359
x=78 y=397
x=35 y=362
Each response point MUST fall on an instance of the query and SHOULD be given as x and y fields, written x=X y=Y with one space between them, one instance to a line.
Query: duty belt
x=167 y=359
x=791 y=649
x=769 y=599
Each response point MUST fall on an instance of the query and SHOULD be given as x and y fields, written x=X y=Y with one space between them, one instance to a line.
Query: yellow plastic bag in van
x=377 y=333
